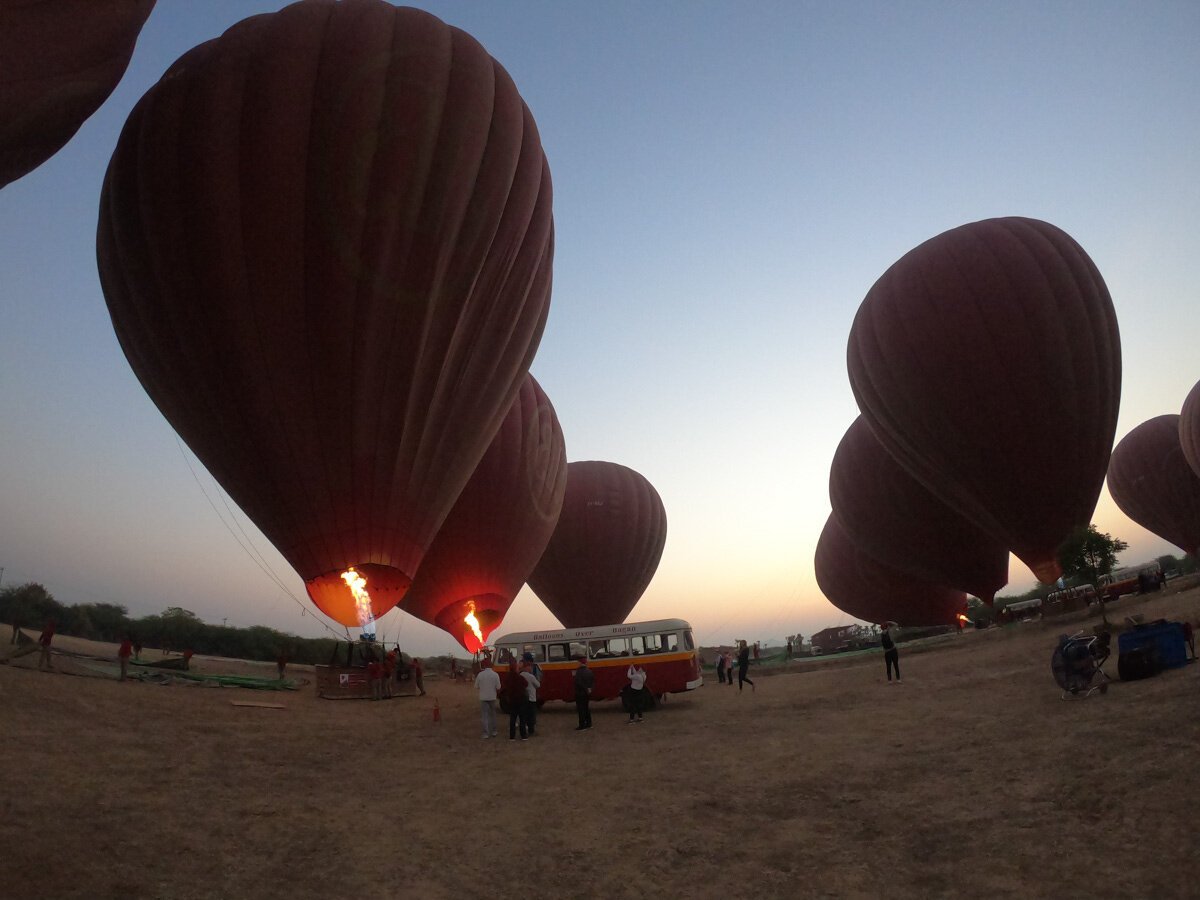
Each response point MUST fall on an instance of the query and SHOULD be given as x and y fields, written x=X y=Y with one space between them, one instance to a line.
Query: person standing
x=418 y=672
x=514 y=699
x=720 y=667
x=281 y=662
x=729 y=667
x=46 y=639
x=532 y=683
x=123 y=654
x=537 y=674
x=891 y=656
x=637 y=689
x=744 y=667
x=585 y=680
x=487 y=685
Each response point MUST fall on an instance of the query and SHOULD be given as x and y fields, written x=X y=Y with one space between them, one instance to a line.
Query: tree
x=1089 y=553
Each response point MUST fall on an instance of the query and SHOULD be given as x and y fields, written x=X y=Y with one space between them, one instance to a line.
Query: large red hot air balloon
x=1152 y=483
x=605 y=548
x=498 y=527
x=988 y=362
x=59 y=60
x=860 y=586
x=896 y=520
x=1189 y=428
x=325 y=241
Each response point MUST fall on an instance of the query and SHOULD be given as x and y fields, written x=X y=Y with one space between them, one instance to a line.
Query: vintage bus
x=665 y=649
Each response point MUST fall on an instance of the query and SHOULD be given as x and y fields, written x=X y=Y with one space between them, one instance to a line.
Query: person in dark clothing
x=514 y=699
x=585 y=680
x=891 y=656
x=744 y=667
x=721 y=668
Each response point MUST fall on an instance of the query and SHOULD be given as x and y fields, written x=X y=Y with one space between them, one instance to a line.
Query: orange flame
x=963 y=618
x=362 y=600
x=473 y=622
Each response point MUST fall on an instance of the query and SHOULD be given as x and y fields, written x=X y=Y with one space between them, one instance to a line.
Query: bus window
x=504 y=655
x=636 y=645
x=654 y=643
x=538 y=651
x=688 y=643
x=670 y=642
x=578 y=650
x=558 y=652
x=598 y=650
x=618 y=647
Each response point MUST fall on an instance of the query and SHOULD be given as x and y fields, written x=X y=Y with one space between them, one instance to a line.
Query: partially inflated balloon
x=325 y=241
x=605 y=548
x=499 y=526
x=861 y=587
x=891 y=516
x=59 y=60
x=1152 y=483
x=1189 y=428
x=988 y=362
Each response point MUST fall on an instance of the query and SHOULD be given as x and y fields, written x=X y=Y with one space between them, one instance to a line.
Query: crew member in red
x=123 y=654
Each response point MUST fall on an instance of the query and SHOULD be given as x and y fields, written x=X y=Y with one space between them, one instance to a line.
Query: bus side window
x=558 y=652
x=504 y=656
x=637 y=645
x=671 y=641
x=688 y=642
x=618 y=647
x=578 y=650
x=598 y=650
x=538 y=651
x=653 y=643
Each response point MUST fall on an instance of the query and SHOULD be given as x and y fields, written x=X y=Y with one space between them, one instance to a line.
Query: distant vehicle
x=1125 y=581
x=1071 y=598
x=665 y=648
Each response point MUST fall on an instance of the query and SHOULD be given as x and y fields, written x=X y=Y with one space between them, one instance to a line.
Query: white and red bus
x=665 y=649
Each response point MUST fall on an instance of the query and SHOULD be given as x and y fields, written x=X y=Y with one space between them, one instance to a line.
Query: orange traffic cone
x=437 y=711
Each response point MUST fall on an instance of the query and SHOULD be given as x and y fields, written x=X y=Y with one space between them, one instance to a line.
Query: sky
x=729 y=181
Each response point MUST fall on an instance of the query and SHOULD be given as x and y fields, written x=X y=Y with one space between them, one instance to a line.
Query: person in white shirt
x=637 y=692
x=487 y=683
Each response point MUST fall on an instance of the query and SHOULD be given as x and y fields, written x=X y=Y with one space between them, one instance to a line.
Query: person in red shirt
x=418 y=675
x=123 y=654
x=47 y=637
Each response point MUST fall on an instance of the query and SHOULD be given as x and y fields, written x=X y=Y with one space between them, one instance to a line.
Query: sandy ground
x=972 y=778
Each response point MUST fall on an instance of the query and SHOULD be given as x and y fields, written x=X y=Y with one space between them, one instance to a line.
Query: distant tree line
x=175 y=629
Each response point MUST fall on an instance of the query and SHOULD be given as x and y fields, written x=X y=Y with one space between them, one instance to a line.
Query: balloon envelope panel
x=1151 y=482
x=325 y=241
x=987 y=361
x=605 y=548
x=1189 y=428
x=499 y=526
x=59 y=61
x=861 y=587
x=895 y=519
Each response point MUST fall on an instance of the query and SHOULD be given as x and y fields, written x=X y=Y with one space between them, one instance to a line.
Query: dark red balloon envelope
x=325 y=241
x=59 y=61
x=1151 y=482
x=896 y=520
x=1189 y=428
x=988 y=363
x=861 y=587
x=605 y=548
x=498 y=527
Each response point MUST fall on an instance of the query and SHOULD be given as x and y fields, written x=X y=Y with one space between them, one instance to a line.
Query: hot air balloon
x=1152 y=483
x=987 y=361
x=861 y=587
x=59 y=60
x=1189 y=428
x=498 y=527
x=605 y=548
x=325 y=241
x=896 y=520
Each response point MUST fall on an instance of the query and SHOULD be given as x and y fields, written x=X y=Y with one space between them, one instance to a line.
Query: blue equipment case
x=1166 y=638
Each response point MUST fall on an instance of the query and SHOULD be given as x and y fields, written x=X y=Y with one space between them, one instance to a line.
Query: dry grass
x=971 y=779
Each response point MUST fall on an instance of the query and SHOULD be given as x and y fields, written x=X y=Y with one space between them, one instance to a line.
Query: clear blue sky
x=730 y=179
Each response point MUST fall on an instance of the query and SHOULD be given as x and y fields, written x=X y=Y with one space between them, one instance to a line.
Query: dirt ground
x=972 y=778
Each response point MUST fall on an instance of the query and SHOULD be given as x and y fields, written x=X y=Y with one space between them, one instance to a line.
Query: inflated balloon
x=325 y=241
x=987 y=361
x=860 y=586
x=59 y=60
x=499 y=526
x=1189 y=428
x=605 y=548
x=896 y=520
x=1152 y=483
